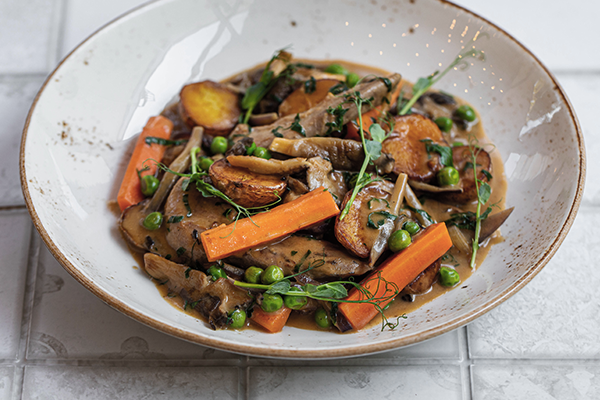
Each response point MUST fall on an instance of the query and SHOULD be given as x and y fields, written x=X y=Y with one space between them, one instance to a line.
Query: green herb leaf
x=175 y=219
x=387 y=203
x=444 y=152
x=280 y=287
x=379 y=223
x=304 y=257
x=423 y=213
x=377 y=133
x=296 y=127
x=373 y=149
x=310 y=85
x=487 y=174
x=338 y=88
x=163 y=142
x=484 y=192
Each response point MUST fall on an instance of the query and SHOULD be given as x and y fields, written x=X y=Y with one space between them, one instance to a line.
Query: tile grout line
x=465 y=363
x=57 y=34
x=29 y=296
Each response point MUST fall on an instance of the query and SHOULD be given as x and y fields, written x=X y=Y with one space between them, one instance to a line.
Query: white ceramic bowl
x=80 y=128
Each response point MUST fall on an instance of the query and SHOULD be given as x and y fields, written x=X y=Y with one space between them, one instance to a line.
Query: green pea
x=237 y=318
x=411 y=227
x=153 y=221
x=295 y=302
x=271 y=275
x=444 y=123
x=250 y=149
x=219 y=145
x=149 y=184
x=216 y=272
x=399 y=240
x=449 y=277
x=465 y=112
x=205 y=163
x=253 y=274
x=336 y=69
x=322 y=319
x=262 y=152
x=448 y=176
x=271 y=302
x=352 y=79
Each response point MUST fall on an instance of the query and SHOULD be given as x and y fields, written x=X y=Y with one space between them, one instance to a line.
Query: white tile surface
x=6 y=377
x=430 y=382
x=528 y=382
x=556 y=314
x=90 y=383
x=16 y=95
x=561 y=34
x=28 y=35
x=584 y=92
x=70 y=322
x=81 y=20
x=15 y=231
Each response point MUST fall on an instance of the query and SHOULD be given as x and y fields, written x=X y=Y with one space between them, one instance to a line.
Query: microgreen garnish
x=256 y=92
x=372 y=148
x=338 y=123
x=296 y=127
x=423 y=84
x=484 y=191
x=445 y=152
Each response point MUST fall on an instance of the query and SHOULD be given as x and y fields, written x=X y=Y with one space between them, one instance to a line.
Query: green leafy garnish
x=380 y=222
x=483 y=195
x=387 y=203
x=444 y=152
x=164 y=142
x=296 y=127
x=423 y=84
x=310 y=85
x=423 y=213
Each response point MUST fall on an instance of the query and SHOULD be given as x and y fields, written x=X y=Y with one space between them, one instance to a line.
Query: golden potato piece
x=405 y=145
x=353 y=231
x=210 y=105
x=246 y=188
x=299 y=101
x=463 y=162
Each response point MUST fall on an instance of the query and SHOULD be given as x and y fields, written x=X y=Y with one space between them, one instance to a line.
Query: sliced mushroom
x=269 y=167
x=246 y=188
x=492 y=223
x=344 y=155
x=131 y=222
x=426 y=187
x=321 y=173
x=422 y=283
x=317 y=121
x=263 y=119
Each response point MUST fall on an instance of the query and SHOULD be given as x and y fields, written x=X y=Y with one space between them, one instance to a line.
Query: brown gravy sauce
x=438 y=211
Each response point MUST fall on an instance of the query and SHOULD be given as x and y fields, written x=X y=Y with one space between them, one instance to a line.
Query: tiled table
x=58 y=341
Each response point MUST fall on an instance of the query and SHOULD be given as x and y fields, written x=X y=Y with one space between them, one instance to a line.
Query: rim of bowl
x=320 y=353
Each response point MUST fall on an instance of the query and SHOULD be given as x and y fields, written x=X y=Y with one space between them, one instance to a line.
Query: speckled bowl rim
x=321 y=353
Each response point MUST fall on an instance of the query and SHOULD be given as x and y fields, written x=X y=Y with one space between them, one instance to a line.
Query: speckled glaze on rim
x=527 y=170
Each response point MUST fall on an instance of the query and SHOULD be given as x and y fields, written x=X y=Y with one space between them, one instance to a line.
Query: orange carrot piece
x=130 y=192
x=306 y=210
x=352 y=131
x=400 y=269
x=273 y=322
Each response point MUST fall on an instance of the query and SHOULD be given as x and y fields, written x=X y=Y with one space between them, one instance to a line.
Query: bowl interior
x=80 y=130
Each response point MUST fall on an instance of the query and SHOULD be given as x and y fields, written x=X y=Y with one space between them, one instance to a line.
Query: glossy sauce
x=438 y=211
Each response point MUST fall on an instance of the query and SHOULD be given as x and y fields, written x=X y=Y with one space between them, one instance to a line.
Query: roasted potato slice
x=422 y=283
x=353 y=232
x=246 y=188
x=407 y=148
x=463 y=162
x=300 y=100
x=210 y=105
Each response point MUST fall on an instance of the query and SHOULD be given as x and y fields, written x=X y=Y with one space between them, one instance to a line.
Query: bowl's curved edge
x=298 y=353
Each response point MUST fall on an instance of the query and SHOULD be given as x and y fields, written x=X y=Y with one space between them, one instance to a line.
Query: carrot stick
x=130 y=192
x=273 y=322
x=400 y=269
x=306 y=210
x=368 y=117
